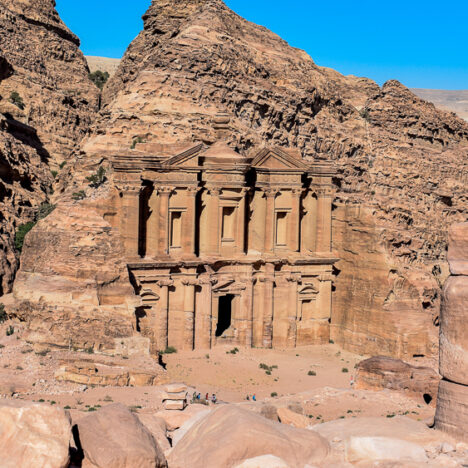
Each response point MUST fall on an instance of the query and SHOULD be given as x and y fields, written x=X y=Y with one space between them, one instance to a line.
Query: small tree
x=81 y=195
x=21 y=233
x=98 y=178
x=17 y=100
x=3 y=314
x=99 y=78
x=44 y=210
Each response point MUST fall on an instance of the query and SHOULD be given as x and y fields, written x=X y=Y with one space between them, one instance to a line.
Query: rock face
x=380 y=372
x=47 y=103
x=402 y=164
x=33 y=435
x=83 y=298
x=230 y=435
x=452 y=403
x=114 y=437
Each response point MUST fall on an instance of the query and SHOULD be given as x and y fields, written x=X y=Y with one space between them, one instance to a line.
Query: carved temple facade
x=226 y=248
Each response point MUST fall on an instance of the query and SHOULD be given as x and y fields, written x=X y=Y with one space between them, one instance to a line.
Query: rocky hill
x=402 y=163
x=46 y=106
x=104 y=64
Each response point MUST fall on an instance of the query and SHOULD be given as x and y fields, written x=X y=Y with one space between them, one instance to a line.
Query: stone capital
x=165 y=282
x=128 y=188
x=192 y=191
x=214 y=191
x=164 y=190
x=270 y=193
x=294 y=278
x=190 y=282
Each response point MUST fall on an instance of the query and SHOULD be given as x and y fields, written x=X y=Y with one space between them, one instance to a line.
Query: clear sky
x=422 y=43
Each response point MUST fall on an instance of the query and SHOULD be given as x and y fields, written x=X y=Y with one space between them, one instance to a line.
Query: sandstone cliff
x=47 y=103
x=402 y=163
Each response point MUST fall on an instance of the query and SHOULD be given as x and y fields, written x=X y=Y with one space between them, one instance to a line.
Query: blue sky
x=424 y=44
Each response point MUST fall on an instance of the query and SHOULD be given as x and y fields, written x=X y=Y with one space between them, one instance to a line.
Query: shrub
x=44 y=210
x=135 y=141
x=99 y=78
x=10 y=330
x=43 y=353
x=273 y=394
x=89 y=350
x=67 y=407
x=3 y=314
x=19 y=368
x=169 y=350
x=17 y=100
x=344 y=370
x=311 y=372
x=41 y=400
x=62 y=164
x=233 y=351
x=54 y=174
x=53 y=402
x=81 y=195
x=364 y=113
x=98 y=178
x=1 y=346
x=331 y=342
x=20 y=234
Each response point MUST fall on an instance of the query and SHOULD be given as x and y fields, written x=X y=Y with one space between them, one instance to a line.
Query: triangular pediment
x=277 y=159
x=188 y=157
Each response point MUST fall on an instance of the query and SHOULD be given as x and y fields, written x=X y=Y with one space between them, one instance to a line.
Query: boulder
x=175 y=419
x=269 y=412
x=230 y=435
x=264 y=461
x=457 y=254
x=452 y=409
x=383 y=448
x=180 y=433
x=113 y=437
x=382 y=372
x=33 y=435
x=453 y=364
x=158 y=429
x=286 y=416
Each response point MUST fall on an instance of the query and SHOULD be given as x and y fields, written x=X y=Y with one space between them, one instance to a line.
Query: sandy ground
x=317 y=377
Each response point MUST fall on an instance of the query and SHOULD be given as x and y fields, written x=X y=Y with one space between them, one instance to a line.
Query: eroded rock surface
x=47 y=103
x=402 y=163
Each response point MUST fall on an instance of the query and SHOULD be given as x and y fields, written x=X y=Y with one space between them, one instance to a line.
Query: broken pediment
x=188 y=158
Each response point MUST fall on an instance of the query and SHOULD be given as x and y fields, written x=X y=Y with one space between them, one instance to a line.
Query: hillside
x=103 y=64
x=453 y=101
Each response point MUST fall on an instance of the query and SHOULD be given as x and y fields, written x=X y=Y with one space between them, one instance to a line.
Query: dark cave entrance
x=224 y=313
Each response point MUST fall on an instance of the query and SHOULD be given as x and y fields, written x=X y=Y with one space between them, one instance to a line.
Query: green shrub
x=311 y=372
x=331 y=342
x=89 y=350
x=10 y=330
x=81 y=195
x=99 y=78
x=98 y=178
x=3 y=314
x=345 y=370
x=169 y=350
x=44 y=210
x=364 y=113
x=17 y=100
x=54 y=174
x=67 y=407
x=273 y=394
x=233 y=351
x=135 y=141
x=62 y=164
x=20 y=234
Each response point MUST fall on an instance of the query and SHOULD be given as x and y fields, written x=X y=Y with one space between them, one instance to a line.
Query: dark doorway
x=224 y=313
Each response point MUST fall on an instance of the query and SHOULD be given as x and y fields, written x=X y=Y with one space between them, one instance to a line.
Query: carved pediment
x=189 y=157
x=278 y=159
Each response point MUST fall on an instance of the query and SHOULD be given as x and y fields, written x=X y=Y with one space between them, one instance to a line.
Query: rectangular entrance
x=224 y=314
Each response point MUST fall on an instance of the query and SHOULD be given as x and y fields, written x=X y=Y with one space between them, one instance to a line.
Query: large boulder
x=382 y=372
x=231 y=435
x=158 y=429
x=33 y=435
x=452 y=409
x=453 y=335
x=113 y=437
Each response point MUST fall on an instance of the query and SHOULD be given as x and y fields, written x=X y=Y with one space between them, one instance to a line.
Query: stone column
x=324 y=204
x=162 y=317
x=189 y=312
x=240 y=236
x=188 y=233
x=203 y=317
x=270 y=219
x=214 y=231
x=295 y=221
x=130 y=219
x=293 y=281
x=268 y=305
x=152 y=244
x=164 y=196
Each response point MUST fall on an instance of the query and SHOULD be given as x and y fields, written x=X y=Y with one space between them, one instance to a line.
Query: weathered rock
x=286 y=416
x=158 y=429
x=269 y=412
x=176 y=419
x=381 y=372
x=230 y=435
x=264 y=461
x=383 y=448
x=50 y=113
x=202 y=59
x=453 y=363
x=458 y=249
x=33 y=435
x=83 y=298
x=180 y=433
x=113 y=437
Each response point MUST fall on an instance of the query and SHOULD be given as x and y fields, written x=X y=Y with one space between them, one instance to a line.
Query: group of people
x=198 y=397
x=254 y=397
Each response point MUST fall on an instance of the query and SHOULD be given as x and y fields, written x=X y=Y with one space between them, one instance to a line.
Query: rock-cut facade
x=224 y=248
